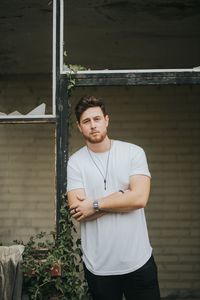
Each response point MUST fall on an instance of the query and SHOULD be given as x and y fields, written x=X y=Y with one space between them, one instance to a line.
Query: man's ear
x=107 y=120
x=78 y=125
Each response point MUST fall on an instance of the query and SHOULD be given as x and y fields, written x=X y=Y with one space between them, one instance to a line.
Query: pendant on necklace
x=105 y=184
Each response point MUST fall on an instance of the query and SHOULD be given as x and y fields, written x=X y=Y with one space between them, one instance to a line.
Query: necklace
x=107 y=163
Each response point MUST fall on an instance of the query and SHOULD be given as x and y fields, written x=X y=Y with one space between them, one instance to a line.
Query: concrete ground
x=174 y=298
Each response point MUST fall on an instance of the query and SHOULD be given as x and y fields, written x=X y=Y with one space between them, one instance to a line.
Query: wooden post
x=61 y=130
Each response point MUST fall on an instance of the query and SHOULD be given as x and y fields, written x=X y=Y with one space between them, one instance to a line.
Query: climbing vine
x=52 y=264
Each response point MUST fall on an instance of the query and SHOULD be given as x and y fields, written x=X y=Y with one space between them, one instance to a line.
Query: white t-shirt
x=116 y=243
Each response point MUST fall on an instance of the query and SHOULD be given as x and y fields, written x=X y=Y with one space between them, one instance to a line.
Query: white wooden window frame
x=64 y=71
x=106 y=71
x=45 y=116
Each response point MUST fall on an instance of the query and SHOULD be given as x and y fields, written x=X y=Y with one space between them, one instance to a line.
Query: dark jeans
x=141 y=284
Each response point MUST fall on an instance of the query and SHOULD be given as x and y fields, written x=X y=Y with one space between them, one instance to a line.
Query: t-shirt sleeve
x=139 y=165
x=74 y=178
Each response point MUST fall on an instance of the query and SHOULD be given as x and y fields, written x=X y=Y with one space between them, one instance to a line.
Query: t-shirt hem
x=135 y=268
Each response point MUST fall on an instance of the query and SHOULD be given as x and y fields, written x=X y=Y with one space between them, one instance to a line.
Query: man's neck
x=100 y=147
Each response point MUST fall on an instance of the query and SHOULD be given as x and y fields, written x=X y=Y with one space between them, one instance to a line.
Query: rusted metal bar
x=61 y=131
x=137 y=78
x=58 y=148
x=28 y=121
x=61 y=148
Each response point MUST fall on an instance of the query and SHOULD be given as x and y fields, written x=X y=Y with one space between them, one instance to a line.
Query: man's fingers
x=75 y=213
x=78 y=216
x=73 y=210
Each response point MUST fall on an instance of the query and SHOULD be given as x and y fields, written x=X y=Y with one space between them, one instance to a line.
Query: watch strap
x=96 y=205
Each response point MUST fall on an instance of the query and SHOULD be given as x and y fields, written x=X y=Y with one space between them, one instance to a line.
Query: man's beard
x=97 y=138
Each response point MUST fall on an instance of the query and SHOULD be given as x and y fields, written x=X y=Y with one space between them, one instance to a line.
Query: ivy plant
x=51 y=265
x=72 y=70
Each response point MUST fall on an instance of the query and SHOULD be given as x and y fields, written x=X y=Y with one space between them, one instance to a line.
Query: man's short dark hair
x=86 y=102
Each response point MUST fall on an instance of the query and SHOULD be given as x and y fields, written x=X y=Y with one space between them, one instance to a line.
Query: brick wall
x=27 y=181
x=165 y=121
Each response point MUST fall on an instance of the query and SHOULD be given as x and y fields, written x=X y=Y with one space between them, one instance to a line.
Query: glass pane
x=26 y=56
x=24 y=93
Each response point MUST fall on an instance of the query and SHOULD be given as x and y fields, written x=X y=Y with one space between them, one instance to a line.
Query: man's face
x=93 y=125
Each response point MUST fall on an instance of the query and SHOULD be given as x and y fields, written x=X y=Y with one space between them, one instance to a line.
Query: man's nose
x=92 y=124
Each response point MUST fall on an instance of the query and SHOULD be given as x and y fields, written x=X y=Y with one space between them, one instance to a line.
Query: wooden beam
x=62 y=139
x=29 y=120
x=137 y=78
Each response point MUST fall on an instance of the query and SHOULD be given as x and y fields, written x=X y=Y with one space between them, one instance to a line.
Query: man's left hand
x=83 y=209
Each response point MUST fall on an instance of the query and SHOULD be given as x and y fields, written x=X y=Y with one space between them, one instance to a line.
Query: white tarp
x=11 y=277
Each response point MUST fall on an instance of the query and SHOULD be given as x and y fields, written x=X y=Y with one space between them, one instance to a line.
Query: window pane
x=26 y=56
x=132 y=34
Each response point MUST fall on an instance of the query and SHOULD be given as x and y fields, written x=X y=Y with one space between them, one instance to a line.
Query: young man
x=108 y=188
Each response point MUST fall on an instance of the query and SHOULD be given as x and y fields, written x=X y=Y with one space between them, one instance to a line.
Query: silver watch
x=96 y=205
